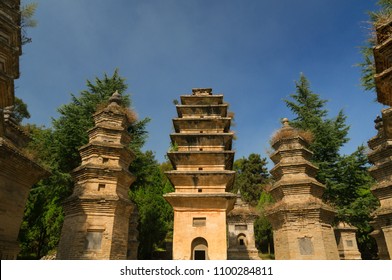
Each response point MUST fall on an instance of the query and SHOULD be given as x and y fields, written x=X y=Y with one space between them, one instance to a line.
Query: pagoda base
x=17 y=174
x=383 y=233
x=96 y=229
x=243 y=254
x=200 y=225
x=303 y=232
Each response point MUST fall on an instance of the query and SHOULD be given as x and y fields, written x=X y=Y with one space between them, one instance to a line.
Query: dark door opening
x=200 y=255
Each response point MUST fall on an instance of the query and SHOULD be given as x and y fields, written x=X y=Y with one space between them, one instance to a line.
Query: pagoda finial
x=202 y=91
x=116 y=98
x=285 y=122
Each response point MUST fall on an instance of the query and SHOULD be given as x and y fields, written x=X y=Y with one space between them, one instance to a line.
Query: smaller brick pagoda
x=99 y=218
x=240 y=223
x=301 y=222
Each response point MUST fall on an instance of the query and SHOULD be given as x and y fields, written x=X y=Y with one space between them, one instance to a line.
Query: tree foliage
x=155 y=214
x=251 y=175
x=346 y=177
x=21 y=111
x=251 y=178
x=27 y=21
x=330 y=134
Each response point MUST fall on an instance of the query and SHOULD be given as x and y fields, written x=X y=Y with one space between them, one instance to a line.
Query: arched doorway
x=199 y=249
x=241 y=240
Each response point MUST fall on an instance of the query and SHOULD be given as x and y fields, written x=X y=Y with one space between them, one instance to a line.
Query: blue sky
x=251 y=51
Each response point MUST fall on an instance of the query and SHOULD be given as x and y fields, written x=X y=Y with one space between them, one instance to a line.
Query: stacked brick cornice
x=10 y=49
x=383 y=60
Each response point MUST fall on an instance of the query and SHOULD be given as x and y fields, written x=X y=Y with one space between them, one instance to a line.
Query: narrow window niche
x=241 y=227
x=101 y=187
x=199 y=222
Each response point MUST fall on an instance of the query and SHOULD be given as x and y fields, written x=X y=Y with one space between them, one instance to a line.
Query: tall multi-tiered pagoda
x=99 y=218
x=18 y=171
x=380 y=156
x=381 y=144
x=300 y=220
x=202 y=159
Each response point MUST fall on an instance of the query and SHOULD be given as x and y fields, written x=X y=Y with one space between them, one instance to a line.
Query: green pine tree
x=251 y=175
x=346 y=177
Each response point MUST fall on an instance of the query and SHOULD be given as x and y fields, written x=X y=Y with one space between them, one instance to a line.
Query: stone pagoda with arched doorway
x=240 y=222
x=202 y=159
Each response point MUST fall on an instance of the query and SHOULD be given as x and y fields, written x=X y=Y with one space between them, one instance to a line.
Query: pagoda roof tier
x=382 y=153
x=202 y=99
x=382 y=171
x=383 y=215
x=222 y=141
x=383 y=31
x=383 y=191
x=94 y=205
x=191 y=111
x=304 y=168
x=242 y=212
x=92 y=172
x=201 y=201
x=113 y=116
x=377 y=141
x=298 y=187
x=294 y=142
x=291 y=155
x=194 y=180
x=383 y=57
x=99 y=152
x=202 y=160
x=311 y=209
x=383 y=53
x=202 y=125
x=384 y=86
x=12 y=9
x=110 y=134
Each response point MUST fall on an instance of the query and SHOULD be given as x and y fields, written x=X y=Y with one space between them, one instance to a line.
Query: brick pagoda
x=99 y=218
x=301 y=222
x=202 y=158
